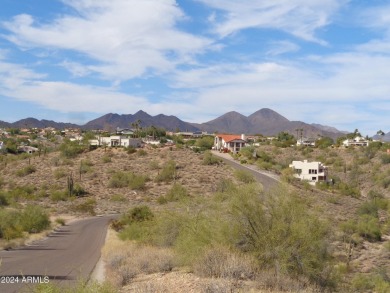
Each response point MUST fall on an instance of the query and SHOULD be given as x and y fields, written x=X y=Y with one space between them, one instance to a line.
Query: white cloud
x=300 y=18
x=282 y=47
x=126 y=37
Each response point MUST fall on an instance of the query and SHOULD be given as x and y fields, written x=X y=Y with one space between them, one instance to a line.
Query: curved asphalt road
x=66 y=255
x=267 y=179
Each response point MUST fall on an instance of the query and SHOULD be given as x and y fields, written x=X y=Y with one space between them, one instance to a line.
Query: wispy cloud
x=128 y=38
x=300 y=18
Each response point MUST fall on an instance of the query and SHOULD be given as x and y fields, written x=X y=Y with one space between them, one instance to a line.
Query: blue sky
x=318 y=61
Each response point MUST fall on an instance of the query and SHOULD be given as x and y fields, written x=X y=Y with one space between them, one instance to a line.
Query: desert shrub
x=225 y=185
x=347 y=189
x=167 y=173
x=34 y=219
x=368 y=227
x=205 y=143
x=282 y=234
x=106 y=159
x=385 y=182
x=10 y=227
x=154 y=165
x=210 y=159
x=127 y=259
x=131 y=150
x=25 y=192
x=118 y=198
x=139 y=214
x=221 y=262
x=2 y=182
x=368 y=208
x=88 y=207
x=78 y=190
x=71 y=149
x=59 y=173
x=26 y=171
x=127 y=179
x=85 y=167
x=264 y=165
x=141 y=153
x=244 y=176
x=60 y=221
x=385 y=159
x=59 y=195
x=3 y=199
x=374 y=282
x=248 y=152
x=176 y=193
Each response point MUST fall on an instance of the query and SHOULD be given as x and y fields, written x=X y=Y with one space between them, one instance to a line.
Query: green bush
x=3 y=199
x=26 y=171
x=71 y=149
x=106 y=159
x=10 y=227
x=87 y=206
x=34 y=219
x=141 y=153
x=134 y=224
x=167 y=173
x=126 y=179
x=368 y=227
x=283 y=234
x=205 y=143
x=131 y=150
x=244 y=176
x=59 y=173
x=210 y=159
x=385 y=159
x=176 y=193
x=58 y=195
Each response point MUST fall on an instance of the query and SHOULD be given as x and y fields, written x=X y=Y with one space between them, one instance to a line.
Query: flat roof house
x=357 y=141
x=229 y=142
x=310 y=171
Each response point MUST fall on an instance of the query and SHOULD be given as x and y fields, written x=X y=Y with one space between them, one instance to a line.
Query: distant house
x=310 y=171
x=357 y=141
x=27 y=149
x=116 y=141
x=306 y=142
x=229 y=142
x=124 y=131
x=2 y=145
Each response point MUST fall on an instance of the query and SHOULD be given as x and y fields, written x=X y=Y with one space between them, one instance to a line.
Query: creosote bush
x=32 y=219
x=176 y=193
x=167 y=173
x=26 y=171
x=244 y=176
x=210 y=159
x=127 y=179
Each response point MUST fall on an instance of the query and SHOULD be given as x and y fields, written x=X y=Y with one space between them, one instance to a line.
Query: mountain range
x=264 y=121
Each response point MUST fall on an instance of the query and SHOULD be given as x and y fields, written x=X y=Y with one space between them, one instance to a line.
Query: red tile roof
x=229 y=137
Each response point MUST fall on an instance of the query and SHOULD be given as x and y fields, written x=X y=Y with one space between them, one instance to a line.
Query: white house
x=310 y=171
x=115 y=141
x=306 y=142
x=357 y=141
x=229 y=142
x=1 y=145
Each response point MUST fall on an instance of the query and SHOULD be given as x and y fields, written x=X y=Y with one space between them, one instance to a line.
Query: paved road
x=64 y=256
x=267 y=179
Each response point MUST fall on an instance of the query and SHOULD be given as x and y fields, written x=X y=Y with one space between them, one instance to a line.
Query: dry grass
x=126 y=259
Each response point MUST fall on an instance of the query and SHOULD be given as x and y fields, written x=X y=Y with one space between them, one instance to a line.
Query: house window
x=298 y=171
x=314 y=178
